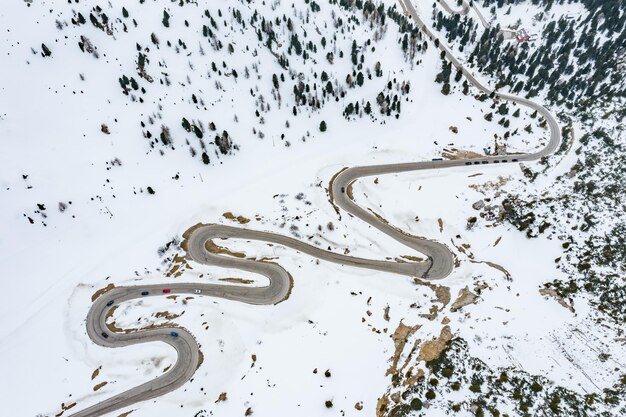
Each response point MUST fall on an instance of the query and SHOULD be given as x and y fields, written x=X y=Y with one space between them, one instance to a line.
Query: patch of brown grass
x=166 y=315
x=200 y=358
x=64 y=408
x=239 y=219
x=213 y=248
x=101 y=291
x=100 y=385
x=188 y=233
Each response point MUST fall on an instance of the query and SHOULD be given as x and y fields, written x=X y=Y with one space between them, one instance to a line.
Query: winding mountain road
x=200 y=248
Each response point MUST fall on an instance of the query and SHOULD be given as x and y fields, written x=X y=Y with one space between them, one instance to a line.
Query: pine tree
x=359 y=79
x=322 y=126
x=46 y=52
x=368 y=108
x=186 y=125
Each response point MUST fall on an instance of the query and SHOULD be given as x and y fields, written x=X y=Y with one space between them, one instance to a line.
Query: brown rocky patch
x=100 y=385
x=465 y=297
x=400 y=337
x=431 y=349
x=239 y=219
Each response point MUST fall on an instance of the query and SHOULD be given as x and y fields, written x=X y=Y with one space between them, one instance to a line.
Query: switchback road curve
x=198 y=245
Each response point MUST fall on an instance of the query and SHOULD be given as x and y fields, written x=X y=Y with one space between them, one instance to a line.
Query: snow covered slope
x=124 y=123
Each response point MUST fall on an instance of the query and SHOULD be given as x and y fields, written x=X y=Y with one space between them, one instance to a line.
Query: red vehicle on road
x=166 y=291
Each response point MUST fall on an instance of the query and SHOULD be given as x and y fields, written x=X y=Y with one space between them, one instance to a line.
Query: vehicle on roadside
x=437 y=159
x=496 y=162
x=110 y=303
x=106 y=336
x=145 y=293
x=514 y=160
x=505 y=160
x=166 y=291
x=476 y=162
x=484 y=162
x=174 y=334
x=197 y=291
x=468 y=163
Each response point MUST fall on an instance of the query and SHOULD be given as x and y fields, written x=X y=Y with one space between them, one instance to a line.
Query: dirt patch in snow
x=495 y=185
x=188 y=233
x=239 y=219
x=200 y=358
x=167 y=315
x=383 y=403
x=454 y=153
x=100 y=385
x=400 y=337
x=412 y=258
x=101 y=291
x=432 y=349
x=465 y=297
x=442 y=293
x=179 y=265
x=551 y=292
x=213 y=248
x=494 y=265
x=64 y=408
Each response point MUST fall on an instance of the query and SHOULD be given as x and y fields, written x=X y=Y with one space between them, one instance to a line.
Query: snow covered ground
x=263 y=357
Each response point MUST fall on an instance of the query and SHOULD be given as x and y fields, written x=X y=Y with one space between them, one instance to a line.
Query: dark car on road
x=110 y=303
x=145 y=293
x=106 y=336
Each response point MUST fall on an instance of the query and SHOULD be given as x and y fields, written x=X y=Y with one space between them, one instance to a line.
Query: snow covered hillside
x=123 y=124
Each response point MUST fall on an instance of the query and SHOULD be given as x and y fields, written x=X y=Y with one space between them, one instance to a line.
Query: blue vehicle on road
x=174 y=334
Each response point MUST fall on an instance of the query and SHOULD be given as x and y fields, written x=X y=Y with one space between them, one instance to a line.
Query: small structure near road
x=522 y=36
